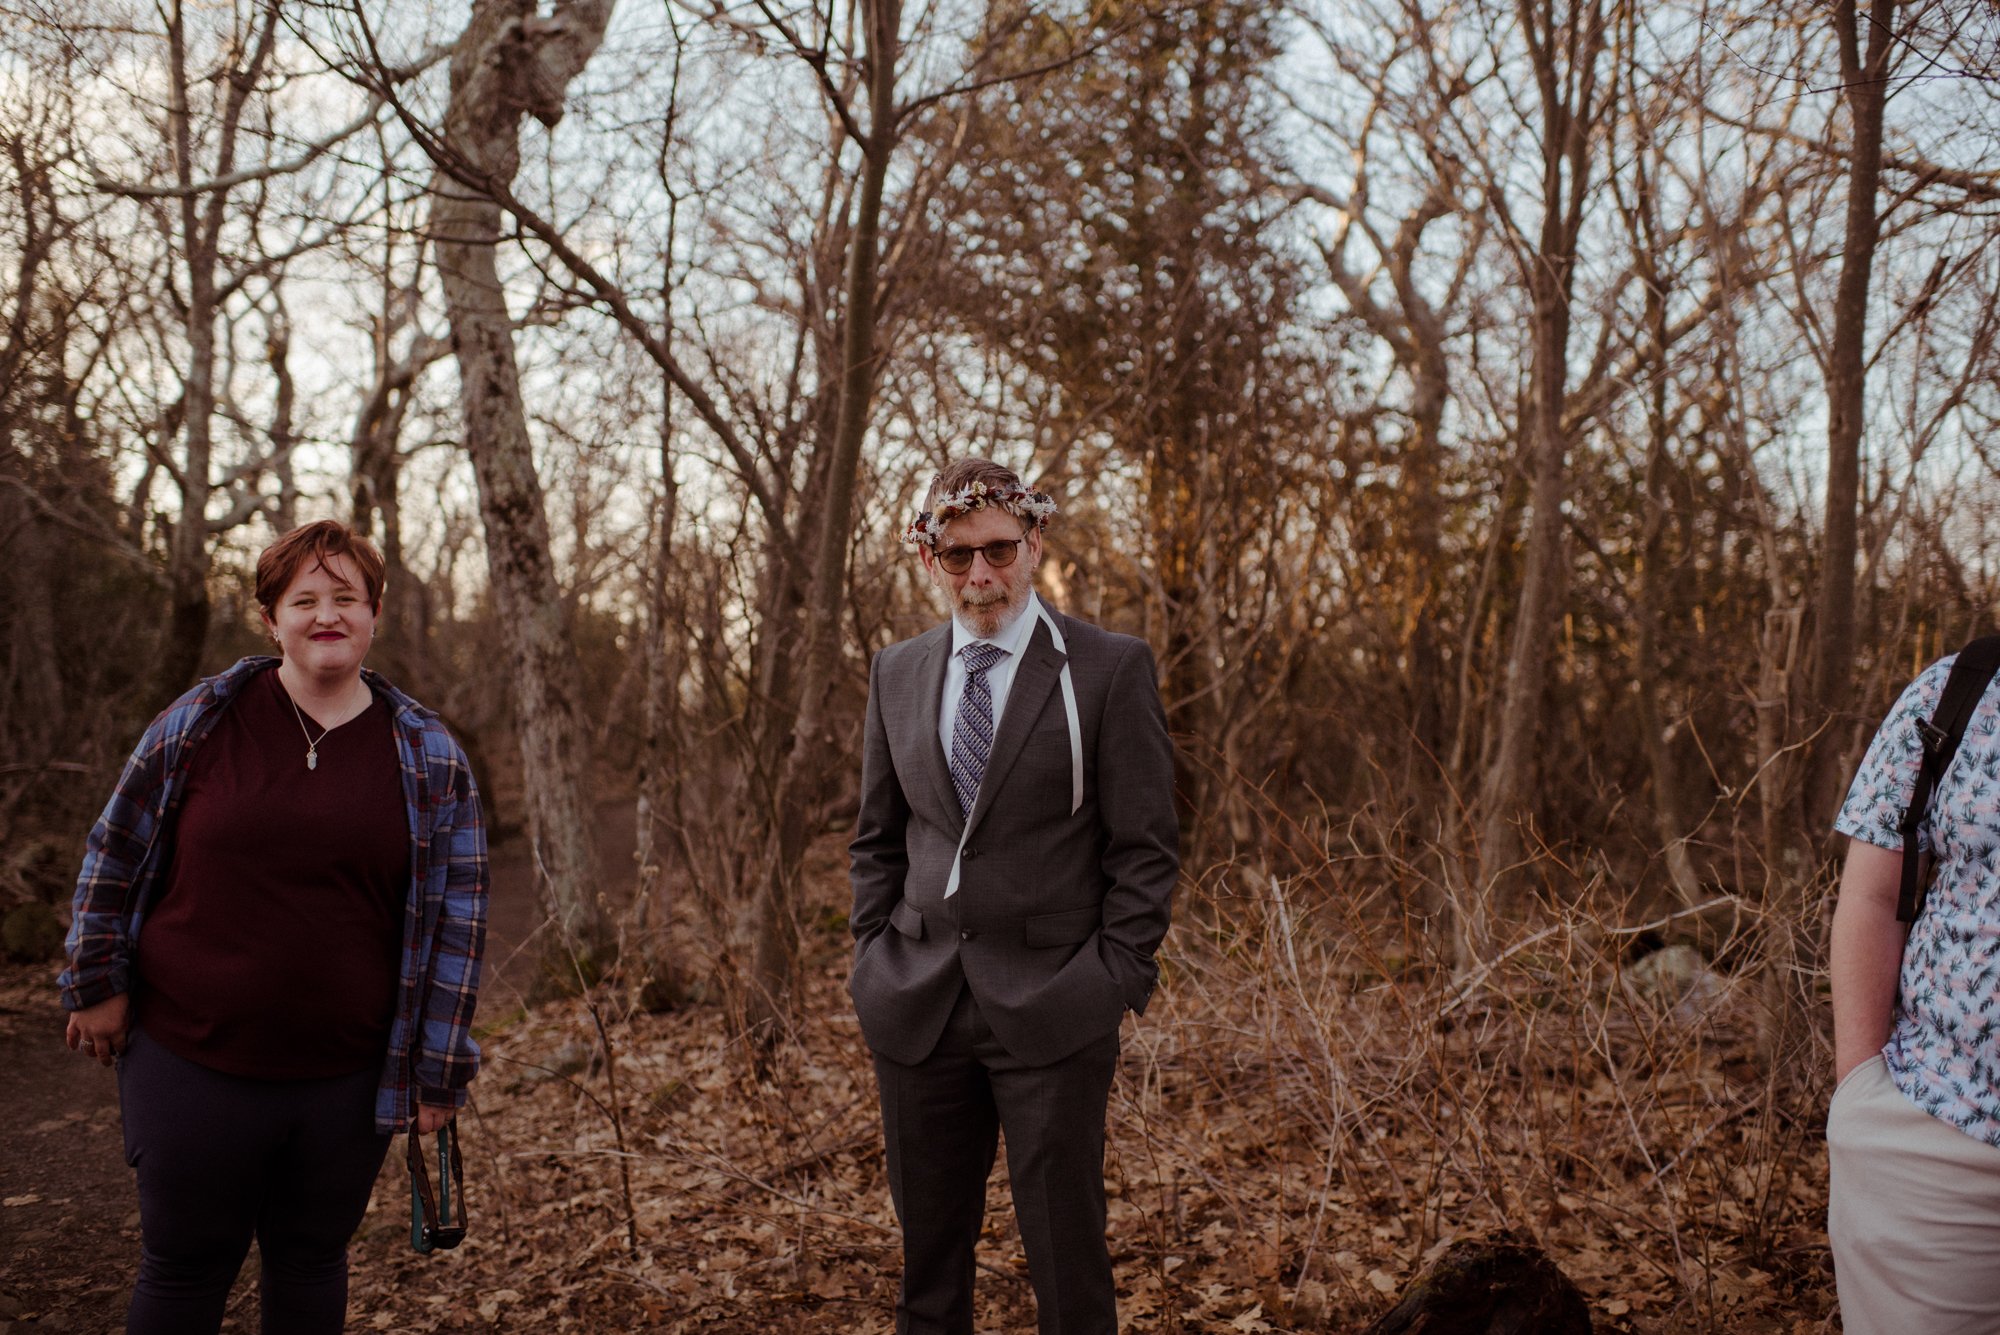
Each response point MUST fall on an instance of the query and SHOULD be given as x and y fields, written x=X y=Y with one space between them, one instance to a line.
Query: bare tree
x=663 y=658
x=208 y=190
x=803 y=774
x=32 y=343
x=1869 y=43
x=857 y=67
x=376 y=454
x=1117 y=252
x=1698 y=254
x=1403 y=258
x=197 y=198
x=1575 y=96
x=508 y=63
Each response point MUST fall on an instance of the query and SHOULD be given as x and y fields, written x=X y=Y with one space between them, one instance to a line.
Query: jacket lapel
x=930 y=704
x=1041 y=666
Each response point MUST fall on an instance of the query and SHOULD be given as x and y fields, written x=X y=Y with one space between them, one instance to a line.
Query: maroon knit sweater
x=273 y=951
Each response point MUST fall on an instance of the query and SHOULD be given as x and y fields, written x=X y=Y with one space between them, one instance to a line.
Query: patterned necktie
x=972 y=735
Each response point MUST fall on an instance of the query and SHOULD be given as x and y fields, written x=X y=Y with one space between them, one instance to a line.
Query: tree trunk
x=31 y=694
x=284 y=438
x=775 y=951
x=1507 y=796
x=187 y=545
x=1864 y=67
x=510 y=61
x=1423 y=507
x=31 y=703
x=656 y=971
x=1564 y=55
x=1670 y=823
x=375 y=486
x=657 y=974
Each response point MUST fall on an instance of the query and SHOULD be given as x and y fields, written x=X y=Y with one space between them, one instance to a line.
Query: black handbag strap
x=438 y=1226
x=446 y=1226
x=435 y=1225
x=1963 y=687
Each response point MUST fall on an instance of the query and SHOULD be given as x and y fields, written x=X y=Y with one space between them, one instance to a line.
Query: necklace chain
x=312 y=743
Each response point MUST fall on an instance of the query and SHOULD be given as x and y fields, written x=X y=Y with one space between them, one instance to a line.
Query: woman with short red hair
x=277 y=938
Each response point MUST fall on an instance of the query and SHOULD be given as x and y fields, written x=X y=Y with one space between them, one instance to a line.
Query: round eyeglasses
x=958 y=560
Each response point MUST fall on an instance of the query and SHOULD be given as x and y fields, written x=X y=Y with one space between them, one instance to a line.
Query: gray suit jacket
x=1057 y=914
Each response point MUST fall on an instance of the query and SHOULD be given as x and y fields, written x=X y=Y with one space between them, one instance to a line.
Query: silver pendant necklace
x=312 y=743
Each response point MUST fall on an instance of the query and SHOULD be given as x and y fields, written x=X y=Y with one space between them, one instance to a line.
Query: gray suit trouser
x=942 y=1118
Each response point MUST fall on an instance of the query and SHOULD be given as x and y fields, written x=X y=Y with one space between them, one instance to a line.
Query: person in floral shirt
x=1913 y=1133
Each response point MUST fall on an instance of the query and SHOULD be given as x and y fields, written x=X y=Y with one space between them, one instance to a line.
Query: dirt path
x=69 y=1216
x=69 y=1213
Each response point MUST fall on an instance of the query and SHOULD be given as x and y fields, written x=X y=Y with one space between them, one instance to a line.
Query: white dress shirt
x=1013 y=638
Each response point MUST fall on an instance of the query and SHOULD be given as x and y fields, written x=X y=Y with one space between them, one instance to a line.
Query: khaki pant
x=1913 y=1215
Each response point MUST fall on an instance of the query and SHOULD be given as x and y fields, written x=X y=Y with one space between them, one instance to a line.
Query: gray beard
x=965 y=616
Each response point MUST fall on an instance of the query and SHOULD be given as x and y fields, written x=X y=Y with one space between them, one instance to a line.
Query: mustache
x=982 y=597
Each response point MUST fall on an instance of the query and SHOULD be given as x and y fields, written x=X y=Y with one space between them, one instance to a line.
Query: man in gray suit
x=1013 y=865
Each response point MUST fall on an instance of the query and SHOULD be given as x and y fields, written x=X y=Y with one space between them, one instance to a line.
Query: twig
x=1473 y=982
x=617 y=1127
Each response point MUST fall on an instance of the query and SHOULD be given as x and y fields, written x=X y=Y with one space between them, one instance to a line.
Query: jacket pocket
x=1061 y=929
x=906 y=919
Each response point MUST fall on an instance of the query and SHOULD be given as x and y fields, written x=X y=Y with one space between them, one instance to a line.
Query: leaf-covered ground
x=1291 y=1141
x=1298 y=1126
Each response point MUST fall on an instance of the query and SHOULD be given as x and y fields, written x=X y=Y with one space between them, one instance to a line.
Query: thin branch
x=314 y=151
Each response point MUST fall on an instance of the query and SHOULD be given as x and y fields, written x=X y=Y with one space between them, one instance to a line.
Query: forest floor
x=1293 y=1137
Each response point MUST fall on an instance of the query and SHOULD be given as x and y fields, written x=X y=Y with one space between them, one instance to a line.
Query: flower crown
x=928 y=526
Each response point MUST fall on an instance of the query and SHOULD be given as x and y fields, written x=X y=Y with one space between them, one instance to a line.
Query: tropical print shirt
x=1944 y=1049
x=130 y=850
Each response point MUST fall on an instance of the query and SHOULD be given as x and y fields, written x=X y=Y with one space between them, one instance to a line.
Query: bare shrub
x=1314 y=1107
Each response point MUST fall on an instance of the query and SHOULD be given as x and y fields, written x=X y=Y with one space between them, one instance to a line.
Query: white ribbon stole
x=1075 y=745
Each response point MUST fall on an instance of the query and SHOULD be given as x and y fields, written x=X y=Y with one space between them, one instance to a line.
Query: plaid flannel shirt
x=130 y=850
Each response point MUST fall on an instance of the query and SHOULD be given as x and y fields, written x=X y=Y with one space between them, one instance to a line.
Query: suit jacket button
x=967 y=934
x=970 y=854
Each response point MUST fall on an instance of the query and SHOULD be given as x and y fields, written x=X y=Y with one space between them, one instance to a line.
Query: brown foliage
x=1311 y=1113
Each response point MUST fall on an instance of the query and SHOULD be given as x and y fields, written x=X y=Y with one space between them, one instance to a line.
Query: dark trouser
x=221 y=1159
x=941 y=1119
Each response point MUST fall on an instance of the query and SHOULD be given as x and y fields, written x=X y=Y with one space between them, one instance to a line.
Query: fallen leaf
x=1251 y=1320
x=489 y=1307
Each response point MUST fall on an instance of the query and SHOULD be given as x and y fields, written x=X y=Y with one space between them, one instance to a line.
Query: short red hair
x=311 y=545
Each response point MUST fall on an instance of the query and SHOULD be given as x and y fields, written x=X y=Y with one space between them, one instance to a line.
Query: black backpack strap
x=1963 y=687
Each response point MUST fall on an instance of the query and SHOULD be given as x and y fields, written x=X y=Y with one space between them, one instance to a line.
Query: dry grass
x=1312 y=1107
